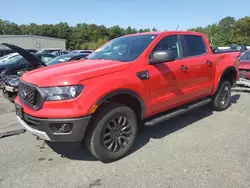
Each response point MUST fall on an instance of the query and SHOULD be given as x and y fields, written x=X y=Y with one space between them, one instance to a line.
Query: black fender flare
x=228 y=69
x=126 y=92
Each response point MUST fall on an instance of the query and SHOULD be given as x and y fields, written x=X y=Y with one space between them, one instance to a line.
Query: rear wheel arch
x=229 y=74
x=124 y=96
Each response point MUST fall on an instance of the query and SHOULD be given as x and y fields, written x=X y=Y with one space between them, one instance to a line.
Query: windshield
x=59 y=59
x=126 y=48
x=245 y=55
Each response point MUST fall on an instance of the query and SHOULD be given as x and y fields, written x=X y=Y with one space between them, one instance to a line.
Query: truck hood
x=70 y=73
x=244 y=64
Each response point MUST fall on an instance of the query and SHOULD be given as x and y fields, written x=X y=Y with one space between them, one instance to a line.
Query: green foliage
x=90 y=36
x=81 y=36
x=227 y=31
x=9 y=28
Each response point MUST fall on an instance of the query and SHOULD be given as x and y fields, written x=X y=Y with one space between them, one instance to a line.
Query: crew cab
x=131 y=81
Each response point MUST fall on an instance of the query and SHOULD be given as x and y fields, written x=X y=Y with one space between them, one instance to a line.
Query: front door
x=169 y=79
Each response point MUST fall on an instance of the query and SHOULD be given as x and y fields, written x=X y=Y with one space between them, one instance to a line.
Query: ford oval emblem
x=23 y=94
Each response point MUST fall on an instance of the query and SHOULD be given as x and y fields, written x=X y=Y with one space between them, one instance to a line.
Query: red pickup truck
x=133 y=80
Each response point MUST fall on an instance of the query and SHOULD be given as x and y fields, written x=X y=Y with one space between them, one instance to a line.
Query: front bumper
x=48 y=129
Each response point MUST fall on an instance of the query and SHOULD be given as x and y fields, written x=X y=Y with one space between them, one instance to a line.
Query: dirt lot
x=199 y=149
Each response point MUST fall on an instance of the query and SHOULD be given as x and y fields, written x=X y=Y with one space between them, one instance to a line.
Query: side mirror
x=161 y=56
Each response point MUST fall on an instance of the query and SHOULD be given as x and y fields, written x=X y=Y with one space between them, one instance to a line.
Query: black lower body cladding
x=59 y=130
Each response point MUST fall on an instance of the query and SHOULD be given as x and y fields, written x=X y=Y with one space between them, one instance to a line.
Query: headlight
x=61 y=93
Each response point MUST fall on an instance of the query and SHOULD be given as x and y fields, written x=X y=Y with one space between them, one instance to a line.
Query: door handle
x=209 y=62
x=183 y=68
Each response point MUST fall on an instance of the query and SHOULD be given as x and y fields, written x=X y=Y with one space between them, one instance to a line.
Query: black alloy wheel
x=112 y=132
x=224 y=95
x=117 y=134
x=222 y=98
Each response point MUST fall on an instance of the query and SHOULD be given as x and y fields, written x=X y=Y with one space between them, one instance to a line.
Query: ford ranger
x=133 y=80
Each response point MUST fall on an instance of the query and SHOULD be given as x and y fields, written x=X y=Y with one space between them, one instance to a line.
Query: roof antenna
x=177 y=28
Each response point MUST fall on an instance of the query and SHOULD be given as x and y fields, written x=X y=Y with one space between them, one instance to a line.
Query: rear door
x=200 y=63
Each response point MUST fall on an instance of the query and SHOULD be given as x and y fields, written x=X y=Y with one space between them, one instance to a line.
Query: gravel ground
x=199 y=149
x=8 y=120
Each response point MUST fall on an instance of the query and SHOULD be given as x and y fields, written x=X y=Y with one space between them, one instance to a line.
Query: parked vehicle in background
x=244 y=69
x=18 y=62
x=7 y=57
x=231 y=48
x=9 y=51
x=44 y=57
x=67 y=57
x=240 y=48
x=82 y=51
x=12 y=68
x=133 y=80
x=10 y=76
x=31 y=50
x=9 y=62
x=50 y=50
x=59 y=53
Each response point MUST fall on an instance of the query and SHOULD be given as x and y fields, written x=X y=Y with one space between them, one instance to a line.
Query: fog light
x=66 y=128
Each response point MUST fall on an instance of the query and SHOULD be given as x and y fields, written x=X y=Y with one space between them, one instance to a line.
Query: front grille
x=27 y=93
x=30 y=95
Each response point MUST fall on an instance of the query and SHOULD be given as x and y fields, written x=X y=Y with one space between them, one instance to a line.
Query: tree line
x=227 y=31
x=81 y=36
x=90 y=36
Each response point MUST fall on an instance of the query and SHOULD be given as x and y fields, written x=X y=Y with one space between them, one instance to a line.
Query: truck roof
x=168 y=32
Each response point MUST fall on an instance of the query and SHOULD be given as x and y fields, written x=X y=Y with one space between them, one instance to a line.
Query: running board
x=181 y=110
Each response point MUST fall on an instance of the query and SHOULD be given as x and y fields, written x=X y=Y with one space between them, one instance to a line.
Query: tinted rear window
x=194 y=45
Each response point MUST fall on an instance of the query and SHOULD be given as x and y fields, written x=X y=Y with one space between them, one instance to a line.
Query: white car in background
x=8 y=56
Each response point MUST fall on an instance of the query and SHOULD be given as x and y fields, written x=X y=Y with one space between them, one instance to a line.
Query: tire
x=221 y=103
x=101 y=131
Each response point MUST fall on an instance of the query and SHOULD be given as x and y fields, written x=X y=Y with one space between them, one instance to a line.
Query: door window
x=194 y=45
x=169 y=43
